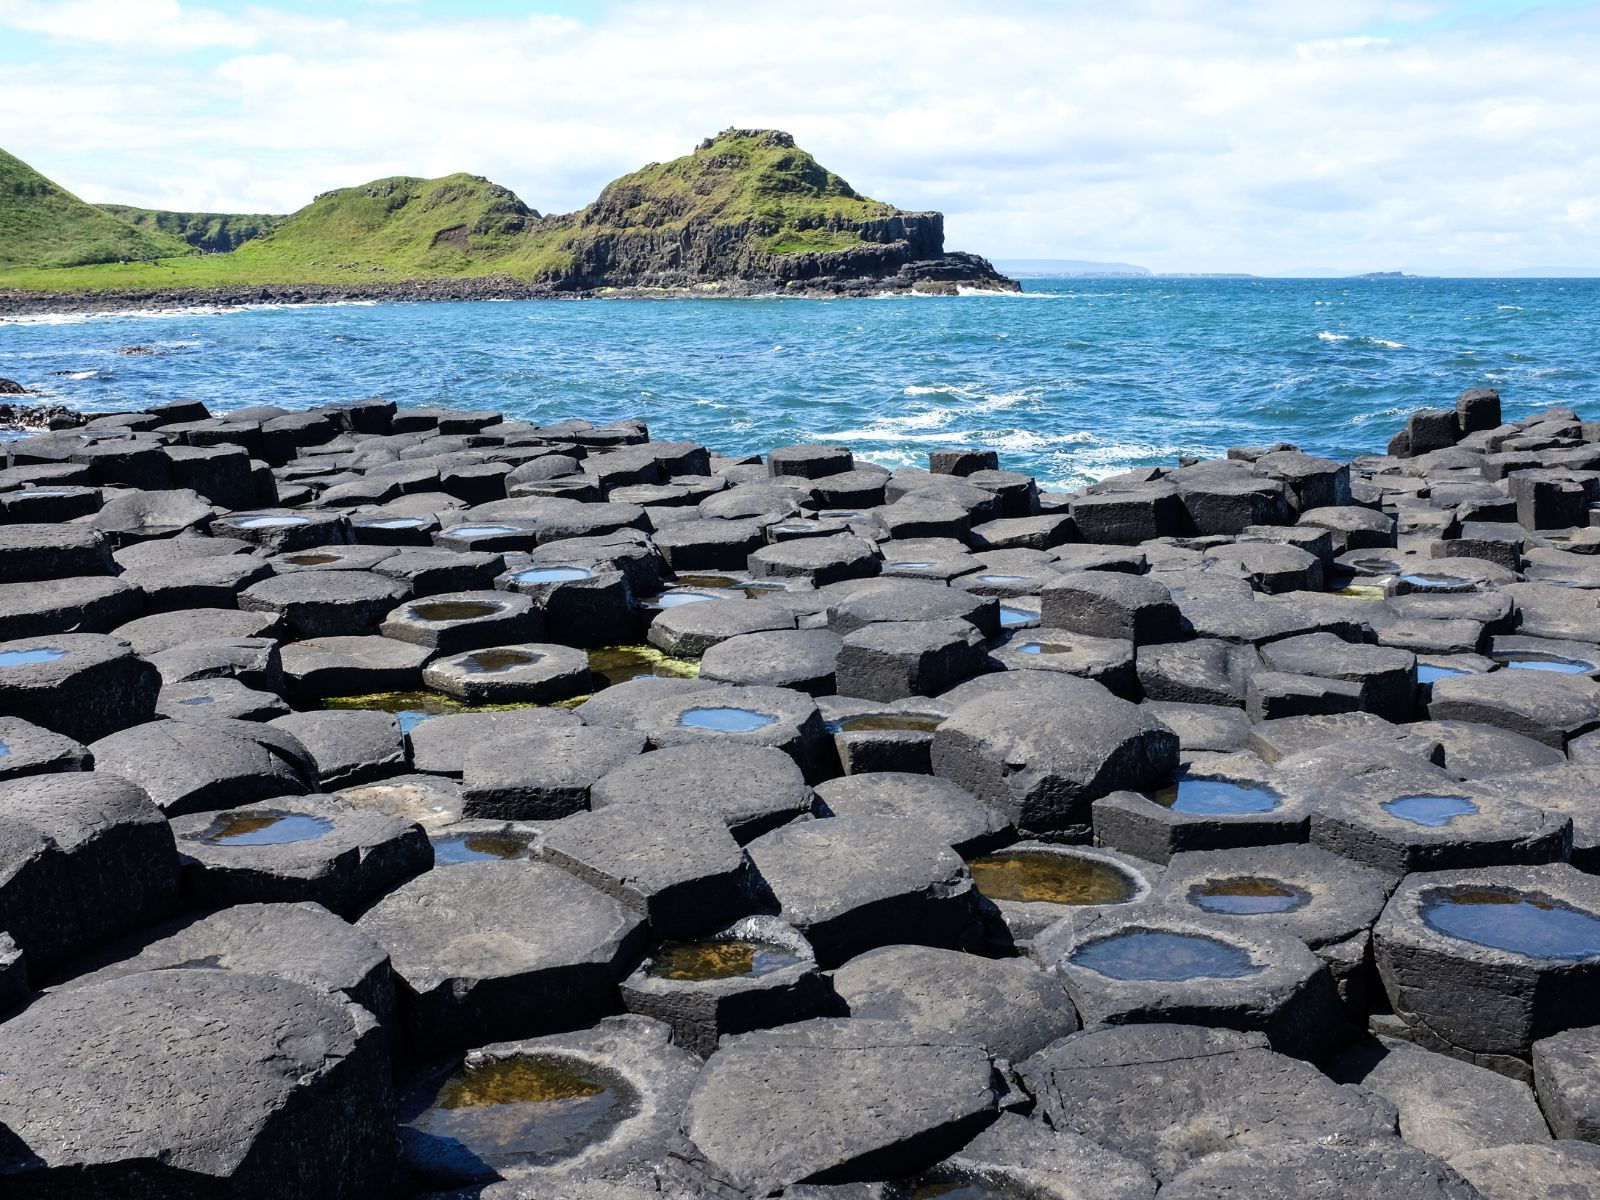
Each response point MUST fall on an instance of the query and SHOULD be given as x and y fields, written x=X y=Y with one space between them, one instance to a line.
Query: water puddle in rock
x=4 y=749
x=1156 y=956
x=1430 y=674
x=552 y=575
x=725 y=719
x=1247 y=895
x=410 y=709
x=1375 y=566
x=1425 y=582
x=619 y=664
x=502 y=658
x=1433 y=811
x=270 y=522
x=1049 y=877
x=310 y=560
x=720 y=958
x=1203 y=796
x=1001 y=578
x=919 y=565
x=1532 y=660
x=452 y=848
x=393 y=523
x=1010 y=617
x=887 y=723
x=265 y=829
x=526 y=1109
x=453 y=610
x=672 y=598
x=478 y=531
x=1044 y=648
x=839 y=515
x=195 y=701
x=27 y=658
x=1521 y=922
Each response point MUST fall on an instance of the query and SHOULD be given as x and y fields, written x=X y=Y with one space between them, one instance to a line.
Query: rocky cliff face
x=751 y=211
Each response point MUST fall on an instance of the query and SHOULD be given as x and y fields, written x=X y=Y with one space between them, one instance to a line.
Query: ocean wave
x=1510 y=307
x=187 y=310
x=1328 y=336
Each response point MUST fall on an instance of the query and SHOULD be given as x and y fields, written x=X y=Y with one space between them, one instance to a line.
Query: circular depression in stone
x=552 y=575
x=720 y=958
x=1208 y=796
x=1048 y=877
x=28 y=658
x=1154 y=955
x=450 y=849
x=672 y=598
x=1520 y=922
x=393 y=523
x=1423 y=580
x=310 y=560
x=270 y=522
x=497 y=660
x=1533 y=660
x=527 y=1109
x=1001 y=578
x=912 y=565
x=265 y=829
x=1375 y=566
x=1045 y=648
x=887 y=723
x=726 y=719
x=1244 y=895
x=1433 y=811
x=474 y=531
x=453 y=610
x=1432 y=674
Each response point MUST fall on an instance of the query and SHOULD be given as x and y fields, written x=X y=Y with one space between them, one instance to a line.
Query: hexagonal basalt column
x=755 y=974
x=458 y=621
x=1034 y=884
x=530 y=673
x=1484 y=963
x=1138 y=964
x=82 y=685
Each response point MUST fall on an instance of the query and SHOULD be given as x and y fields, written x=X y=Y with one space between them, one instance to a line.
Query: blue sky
x=1185 y=135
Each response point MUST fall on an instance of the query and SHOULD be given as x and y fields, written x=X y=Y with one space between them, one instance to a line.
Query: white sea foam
x=1510 y=308
x=1328 y=336
x=187 y=310
x=1386 y=344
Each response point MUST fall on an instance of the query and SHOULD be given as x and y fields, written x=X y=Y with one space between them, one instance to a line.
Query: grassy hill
x=741 y=206
x=210 y=233
x=44 y=225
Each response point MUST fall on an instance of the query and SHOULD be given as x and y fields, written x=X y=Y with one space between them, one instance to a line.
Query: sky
x=1263 y=136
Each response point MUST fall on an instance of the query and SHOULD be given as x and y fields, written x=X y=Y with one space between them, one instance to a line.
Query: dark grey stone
x=751 y=789
x=1293 y=1170
x=348 y=746
x=937 y=807
x=26 y=749
x=543 y=772
x=196 y=765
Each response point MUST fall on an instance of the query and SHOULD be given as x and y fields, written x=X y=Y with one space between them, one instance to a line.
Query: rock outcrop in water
x=462 y=806
x=748 y=212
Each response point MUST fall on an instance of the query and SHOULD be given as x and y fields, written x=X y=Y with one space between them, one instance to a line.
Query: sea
x=1070 y=380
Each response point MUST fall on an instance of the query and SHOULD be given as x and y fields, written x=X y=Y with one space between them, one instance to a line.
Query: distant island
x=748 y=212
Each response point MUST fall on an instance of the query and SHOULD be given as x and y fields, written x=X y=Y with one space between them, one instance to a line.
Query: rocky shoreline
x=943 y=276
x=419 y=802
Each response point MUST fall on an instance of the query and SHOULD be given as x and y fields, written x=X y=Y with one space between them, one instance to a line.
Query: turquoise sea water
x=1072 y=380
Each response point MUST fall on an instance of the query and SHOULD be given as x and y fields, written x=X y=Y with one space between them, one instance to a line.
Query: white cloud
x=1185 y=134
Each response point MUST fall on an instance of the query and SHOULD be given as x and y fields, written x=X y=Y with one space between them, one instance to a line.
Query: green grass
x=44 y=225
x=210 y=233
x=779 y=198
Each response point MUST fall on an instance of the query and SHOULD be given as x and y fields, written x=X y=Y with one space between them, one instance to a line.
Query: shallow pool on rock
x=1155 y=955
x=501 y=658
x=477 y=531
x=468 y=1122
x=1426 y=582
x=1531 y=660
x=452 y=848
x=1523 y=923
x=413 y=708
x=27 y=658
x=887 y=723
x=725 y=719
x=265 y=829
x=1011 y=618
x=719 y=958
x=1432 y=811
x=271 y=522
x=1246 y=895
x=453 y=610
x=1432 y=674
x=1049 y=877
x=1042 y=648
x=552 y=575
x=1201 y=795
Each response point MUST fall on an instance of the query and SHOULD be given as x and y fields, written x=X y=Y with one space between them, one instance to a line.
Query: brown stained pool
x=1049 y=877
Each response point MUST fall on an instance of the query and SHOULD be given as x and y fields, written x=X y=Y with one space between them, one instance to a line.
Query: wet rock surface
x=358 y=749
